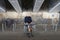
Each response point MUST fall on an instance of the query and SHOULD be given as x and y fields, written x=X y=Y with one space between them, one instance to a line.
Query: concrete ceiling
x=2 y=9
x=30 y=5
x=16 y=5
x=38 y=4
x=56 y=8
x=2 y=6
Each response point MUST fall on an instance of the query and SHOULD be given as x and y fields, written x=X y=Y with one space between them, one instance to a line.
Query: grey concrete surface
x=22 y=36
x=38 y=34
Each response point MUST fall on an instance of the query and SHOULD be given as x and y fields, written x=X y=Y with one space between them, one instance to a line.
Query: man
x=27 y=21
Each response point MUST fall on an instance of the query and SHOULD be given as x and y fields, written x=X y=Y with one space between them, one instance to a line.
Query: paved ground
x=37 y=36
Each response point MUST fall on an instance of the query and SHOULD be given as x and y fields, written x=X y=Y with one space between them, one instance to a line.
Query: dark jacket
x=27 y=19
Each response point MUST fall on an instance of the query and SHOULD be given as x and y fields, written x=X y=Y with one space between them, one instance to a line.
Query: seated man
x=27 y=21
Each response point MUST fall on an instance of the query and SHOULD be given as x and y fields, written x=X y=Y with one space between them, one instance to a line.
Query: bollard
x=14 y=27
x=5 y=26
x=56 y=27
x=45 y=27
x=2 y=27
x=53 y=26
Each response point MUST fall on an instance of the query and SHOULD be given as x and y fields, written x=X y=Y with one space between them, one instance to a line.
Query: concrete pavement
x=22 y=36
